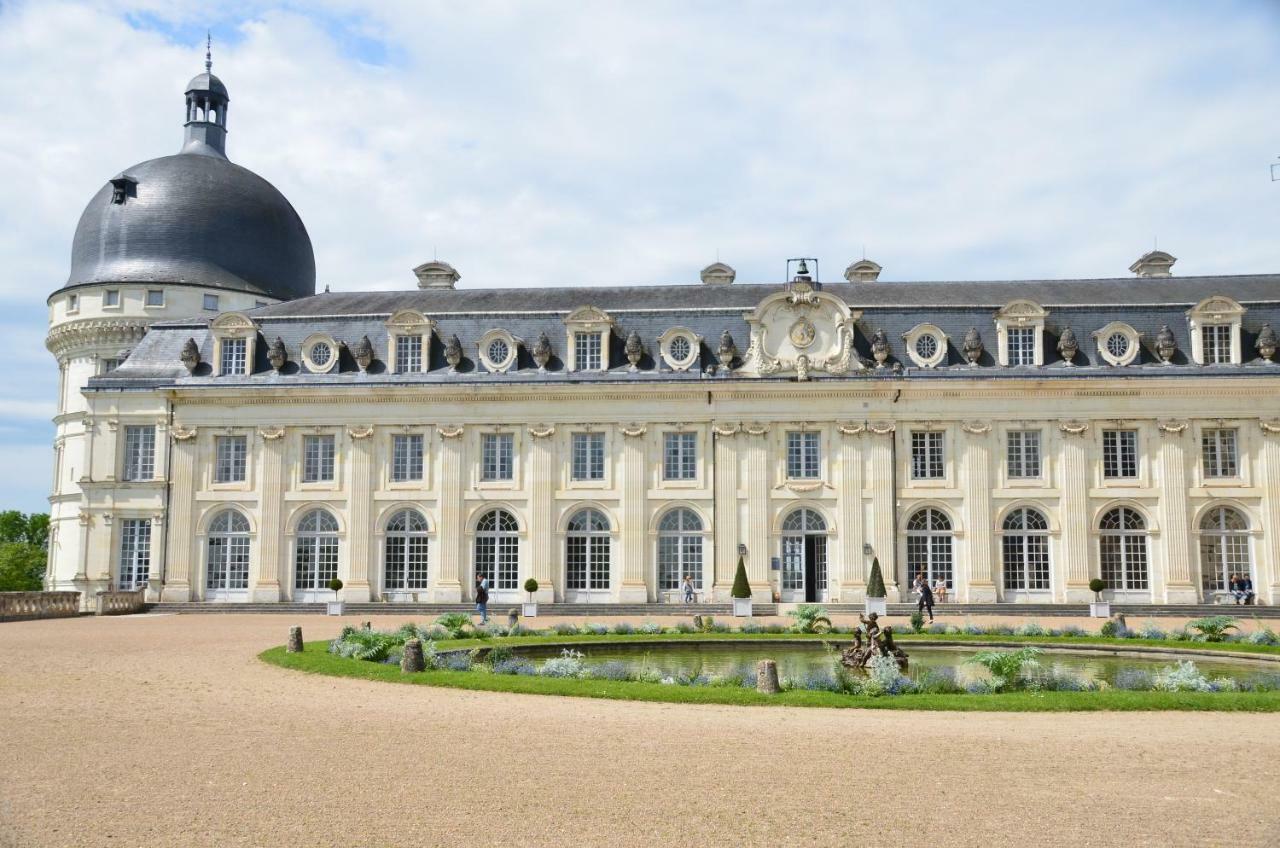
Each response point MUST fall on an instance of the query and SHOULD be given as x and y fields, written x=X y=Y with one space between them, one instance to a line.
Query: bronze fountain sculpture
x=869 y=641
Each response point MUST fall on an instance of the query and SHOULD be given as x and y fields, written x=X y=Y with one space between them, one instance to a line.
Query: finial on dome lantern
x=208 y=51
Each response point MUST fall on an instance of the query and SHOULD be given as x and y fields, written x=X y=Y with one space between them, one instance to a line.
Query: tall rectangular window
x=111 y=297
x=588 y=456
x=497 y=453
x=229 y=463
x=804 y=456
x=317 y=459
x=1023 y=454
x=586 y=352
x=1022 y=345
x=927 y=459
x=139 y=452
x=680 y=456
x=409 y=354
x=406 y=457
x=234 y=356
x=135 y=553
x=1215 y=342
x=1218 y=448
x=1119 y=453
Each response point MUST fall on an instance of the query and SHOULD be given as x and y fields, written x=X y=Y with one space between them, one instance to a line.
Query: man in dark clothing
x=482 y=599
x=926 y=594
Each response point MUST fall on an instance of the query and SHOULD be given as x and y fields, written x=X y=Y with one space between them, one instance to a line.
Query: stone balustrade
x=117 y=602
x=19 y=606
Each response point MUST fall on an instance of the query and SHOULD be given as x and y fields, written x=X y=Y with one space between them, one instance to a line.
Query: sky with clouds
x=579 y=143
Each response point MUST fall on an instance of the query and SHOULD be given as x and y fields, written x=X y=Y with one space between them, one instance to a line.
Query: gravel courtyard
x=167 y=730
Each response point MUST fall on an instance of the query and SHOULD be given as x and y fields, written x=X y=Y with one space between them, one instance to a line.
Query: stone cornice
x=94 y=331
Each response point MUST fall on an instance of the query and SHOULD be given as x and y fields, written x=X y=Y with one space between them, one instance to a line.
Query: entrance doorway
x=804 y=558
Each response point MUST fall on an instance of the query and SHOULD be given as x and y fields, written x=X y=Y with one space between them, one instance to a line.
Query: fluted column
x=634 y=587
x=448 y=586
x=880 y=445
x=725 y=491
x=1074 y=510
x=852 y=571
x=542 y=488
x=181 y=554
x=975 y=482
x=1174 y=510
x=360 y=551
x=1268 y=565
x=756 y=445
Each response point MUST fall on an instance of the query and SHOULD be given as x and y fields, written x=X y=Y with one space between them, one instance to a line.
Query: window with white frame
x=234 y=356
x=804 y=455
x=109 y=365
x=587 y=547
x=405 y=552
x=929 y=543
x=315 y=553
x=1219 y=453
x=1215 y=344
x=1023 y=454
x=230 y=458
x=1119 y=453
x=1215 y=325
x=587 y=352
x=1022 y=345
x=679 y=456
x=139 y=452
x=1224 y=548
x=679 y=549
x=406 y=457
x=588 y=456
x=211 y=302
x=497 y=456
x=1122 y=550
x=497 y=550
x=409 y=354
x=135 y=553
x=317 y=459
x=928 y=459
x=155 y=297
x=1025 y=551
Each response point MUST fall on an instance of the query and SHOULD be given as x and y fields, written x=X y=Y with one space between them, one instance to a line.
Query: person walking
x=482 y=598
x=926 y=595
x=687 y=585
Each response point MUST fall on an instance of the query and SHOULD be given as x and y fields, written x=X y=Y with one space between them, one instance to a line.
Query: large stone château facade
x=1013 y=439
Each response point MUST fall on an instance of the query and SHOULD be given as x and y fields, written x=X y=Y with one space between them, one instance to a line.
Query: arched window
x=1122 y=549
x=804 y=555
x=405 y=552
x=1224 y=548
x=498 y=550
x=315 y=555
x=227 y=572
x=587 y=552
x=929 y=546
x=679 y=549
x=1026 y=551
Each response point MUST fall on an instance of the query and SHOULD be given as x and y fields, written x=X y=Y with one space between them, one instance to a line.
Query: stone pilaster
x=884 y=537
x=975 y=483
x=1174 y=510
x=542 y=490
x=448 y=584
x=725 y=524
x=1074 y=510
x=360 y=552
x=180 y=553
x=273 y=550
x=759 y=551
x=850 y=582
x=634 y=512
x=1268 y=566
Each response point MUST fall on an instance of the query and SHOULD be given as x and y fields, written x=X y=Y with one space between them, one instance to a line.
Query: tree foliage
x=875 y=583
x=23 y=542
x=741 y=588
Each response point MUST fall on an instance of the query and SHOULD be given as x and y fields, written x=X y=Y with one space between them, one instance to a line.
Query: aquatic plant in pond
x=1183 y=677
x=568 y=664
x=810 y=618
x=1006 y=667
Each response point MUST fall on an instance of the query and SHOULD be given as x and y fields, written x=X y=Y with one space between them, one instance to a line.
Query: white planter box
x=879 y=606
x=1100 y=609
x=529 y=610
x=742 y=607
x=334 y=607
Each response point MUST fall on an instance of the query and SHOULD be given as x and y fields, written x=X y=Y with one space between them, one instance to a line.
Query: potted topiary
x=335 y=606
x=529 y=609
x=1098 y=608
x=741 y=591
x=875 y=601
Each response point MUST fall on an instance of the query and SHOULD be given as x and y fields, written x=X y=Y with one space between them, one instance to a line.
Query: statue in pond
x=869 y=640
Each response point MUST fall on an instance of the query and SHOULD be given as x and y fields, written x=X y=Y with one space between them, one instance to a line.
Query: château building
x=225 y=433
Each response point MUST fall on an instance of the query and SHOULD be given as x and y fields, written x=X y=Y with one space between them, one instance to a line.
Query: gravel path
x=166 y=730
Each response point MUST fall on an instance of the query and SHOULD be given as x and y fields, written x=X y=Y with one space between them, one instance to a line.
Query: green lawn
x=316 y=660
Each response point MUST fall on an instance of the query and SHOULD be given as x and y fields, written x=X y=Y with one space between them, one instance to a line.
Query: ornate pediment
x=589 y=318
x=1021 y=312
x=1215 y=309
x=798 y=332
x=233 y=324
x=409 y=321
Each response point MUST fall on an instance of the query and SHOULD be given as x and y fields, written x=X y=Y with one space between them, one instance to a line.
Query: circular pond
x=800 y=659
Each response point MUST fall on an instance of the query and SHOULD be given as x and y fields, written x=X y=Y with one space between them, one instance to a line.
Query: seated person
x=1246 y=589
x=1236 y=587
x=940 y=589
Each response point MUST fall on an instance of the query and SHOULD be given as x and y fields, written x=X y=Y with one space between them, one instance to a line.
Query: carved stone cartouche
x=727 y=350
x=1266 y=343
x=542 y=352
x=1068 y=346
x=190 y=355
x=634 y=349
x=879 y=347
x=453 y=352
x=972 y=346
x=277 y=355
x=363 y=353
x=1166 y=346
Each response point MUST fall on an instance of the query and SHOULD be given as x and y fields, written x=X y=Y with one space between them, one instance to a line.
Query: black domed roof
x=207 y=82
x=195 y=219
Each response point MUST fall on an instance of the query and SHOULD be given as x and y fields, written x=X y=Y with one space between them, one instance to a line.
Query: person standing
x=482 y=598
x=926 y=595
x=687 y=585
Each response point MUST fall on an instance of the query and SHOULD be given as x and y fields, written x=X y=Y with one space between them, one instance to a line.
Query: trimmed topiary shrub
x=875 y=583
x=741 y=588
x=1096 y=585
x=335 y=586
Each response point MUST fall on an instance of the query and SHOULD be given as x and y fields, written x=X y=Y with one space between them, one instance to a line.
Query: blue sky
x=592 y=143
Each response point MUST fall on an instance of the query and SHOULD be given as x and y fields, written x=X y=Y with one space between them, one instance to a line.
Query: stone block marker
x=412 y=660
x=295 y=640
x=767 y=677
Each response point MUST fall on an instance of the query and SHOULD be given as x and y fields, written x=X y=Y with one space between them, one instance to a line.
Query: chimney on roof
x=436 y=275
x=862 y=271
x=718 y=274
x=1157 y=263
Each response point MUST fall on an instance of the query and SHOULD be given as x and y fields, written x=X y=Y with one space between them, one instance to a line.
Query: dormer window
x=234 y=340
x=1117 y=343
x=1020 y=333
x=122 y=188
x=926 y=345
x=320 y=354
x=498 y=350
x=679 y=348
x=155 y=297
x=211 y=302
x=409 y=342
x=1215 y=331
x=587 y=330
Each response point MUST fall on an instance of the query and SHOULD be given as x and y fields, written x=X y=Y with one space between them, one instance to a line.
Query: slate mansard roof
x=894 y=307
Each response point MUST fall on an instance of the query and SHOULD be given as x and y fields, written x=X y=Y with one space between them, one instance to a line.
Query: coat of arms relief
x=801 y=331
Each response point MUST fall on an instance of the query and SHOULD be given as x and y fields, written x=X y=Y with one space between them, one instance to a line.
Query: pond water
x=797 y=659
